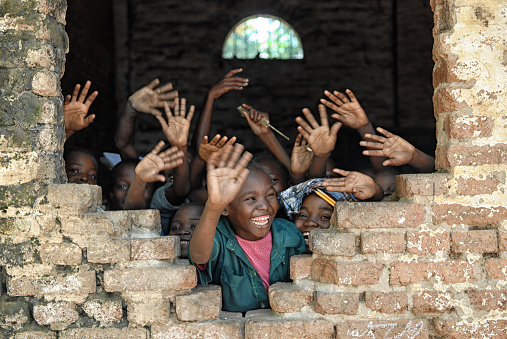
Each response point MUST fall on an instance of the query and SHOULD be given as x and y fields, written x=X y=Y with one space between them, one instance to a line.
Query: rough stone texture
x=451 y=272
x=35 y=335
x=75 y=198
x=502 y=241
x=146 y=219
x=496 y=268
x=13 y=314
x=108 y=252
x=468 y=215
x=166 y=248
x=432 y=302
x=223 y=329
x=380 y=242
x=105 y=333
x=61 y=254
x=414 y=329
x=459 y=330
x=289 y=328
x=287 y=298
x=427 y=242
x=346 y=273
x=464 y=126
x=104 y=310
x=57 y=315
x=202 y=303
x=470 y=155
x=392 y=303
x=475 y=241
x=378 y=215
x=408 y=185
x=300 y=266
x=336 y=303
x=472 y=186
x=328 y=242
x=148 y=308
x=487 y=300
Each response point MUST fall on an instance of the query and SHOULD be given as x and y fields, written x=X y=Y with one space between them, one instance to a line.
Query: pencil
x=325 y=197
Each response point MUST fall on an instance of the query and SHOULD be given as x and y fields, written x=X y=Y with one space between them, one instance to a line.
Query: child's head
x=183 y=224
x=120 y=180
x=80 y=166
x=314 y=213
x=277 y=172
x=386 y=180
x=253 y=209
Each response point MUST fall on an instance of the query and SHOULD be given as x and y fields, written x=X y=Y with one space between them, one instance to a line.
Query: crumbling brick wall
x=432 y=264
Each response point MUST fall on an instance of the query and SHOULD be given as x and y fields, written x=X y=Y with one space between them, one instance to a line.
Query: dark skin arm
x=360 y=185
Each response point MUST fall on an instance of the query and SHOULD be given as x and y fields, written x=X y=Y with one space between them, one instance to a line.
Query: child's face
x=252 y=211
x=278 y=179
x=120 y=186
x=81 y=169
x=314 y=213
x=183 y=225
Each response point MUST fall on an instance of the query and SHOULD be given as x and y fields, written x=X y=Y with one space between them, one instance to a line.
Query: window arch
x=262 y=36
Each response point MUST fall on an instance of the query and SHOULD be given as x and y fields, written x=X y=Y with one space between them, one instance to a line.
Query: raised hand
x=301 y=157
x=254 y=120
x=178 y=125
x=348 y=111
x=321 y=138
x=149 y=98
x=228 y=83
x=362 y=186
x=226 y=174
x=149 y=168
x=207 y=148
x=75 y=110
x=398 y=150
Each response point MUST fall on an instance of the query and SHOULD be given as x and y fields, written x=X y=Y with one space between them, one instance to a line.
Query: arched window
x=262 y=36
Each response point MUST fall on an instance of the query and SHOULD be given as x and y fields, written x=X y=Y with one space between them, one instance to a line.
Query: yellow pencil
x=325 y=197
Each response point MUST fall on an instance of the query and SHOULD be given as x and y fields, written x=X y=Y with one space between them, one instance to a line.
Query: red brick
x=468 y=215
x=210 y=329
x=328 y=242
x=502 y=241
x=444 y=71
x=336 y=303
x=346 y=273
x=462 y=154
x=425 y=242
x=392 y=303
x=450 y=272
x=473 y=186
x=364 y=215
x=487 y=300
x=104 y=333
x=413 y=329
x=496 y=268
x=59 y=314
x=289 y=328
x=408 y=185
x=202 y=303
x=300 y=266
x=287 y=298
x=380 y=242
x=61 y=254
x=464 y=126
x=108 y=252
x=104 y=310
x=432 y=302
x=460 y=330
x=445 y=99
x=164 y=248
x=483 y=241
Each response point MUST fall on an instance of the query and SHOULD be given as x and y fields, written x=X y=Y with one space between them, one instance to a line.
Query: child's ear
x=225 y=212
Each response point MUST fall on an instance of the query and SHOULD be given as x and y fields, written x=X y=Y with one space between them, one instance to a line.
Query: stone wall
x=431 y=265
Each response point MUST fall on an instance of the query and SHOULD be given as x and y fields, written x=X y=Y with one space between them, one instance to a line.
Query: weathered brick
x=300 y=266
x=164 y=248
x=468 y=215
x=446 y=99
x=58 y=314
x=472 y=186
x=428 y=242
x=146 y=219
x=75 y=198
x=163 y=277
x=450 y=272
x=487 y=300
x=14 y=314
x=289 y=328
x=483 y=241
x=108 y=252
x=104 y=310
x=148 y=308
x=287 y=298
x=408 y=185
x=414 y=329
x=496 y=268
x=46 y=84
x=459 y=330
x=382 y=242
x=47 y=334
x=346 y=273
x=461 y=154
x=60 y=254
x=432 y=302
x=104 y=333
x=202 y=303
x=328 y=242
x=336 y=303
x=444 y=71
x=378 y=215
x=502 y=241
x=211 y=329
x=17 y=254
x=392 y=302
x=464 y=126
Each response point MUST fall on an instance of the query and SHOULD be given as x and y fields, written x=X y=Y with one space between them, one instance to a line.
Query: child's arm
x=228 y=83
x=362 y=186
x=148 y=170
x=300 y=160
x=176 y=131
x=398 y=150
x=226 y=174
x=145 y=100
x=266 y=135
x=321 y=139
x=75 y=109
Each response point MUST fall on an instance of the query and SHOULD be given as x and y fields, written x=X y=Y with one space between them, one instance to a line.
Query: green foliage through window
x=262 y=36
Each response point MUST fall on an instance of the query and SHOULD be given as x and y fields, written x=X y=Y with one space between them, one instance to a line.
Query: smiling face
x=252 y=211
x=81 y=168
x=314 y=213
x=120 y=185
x=183 y=225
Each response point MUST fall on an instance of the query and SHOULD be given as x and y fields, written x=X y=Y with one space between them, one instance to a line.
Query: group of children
x=239 y=218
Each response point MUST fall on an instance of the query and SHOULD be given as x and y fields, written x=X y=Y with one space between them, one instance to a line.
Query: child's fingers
x=323 y=115
x=342 y=97
x=333 y=98
x=236 y=153
x=155 y=112
x=158 y=147
x=168 y=96
x=247 y=106
x=89 y=119
x=351 y=95
x=84 y=92
x=183 y=108
x=221 y=142
x=233 y=71
x=330 y=105
x=90 y=99
x=167 y=110
x=67 y=99
x=336 y=127
x=388 y=162
x=373 y=153
x=303 y=132
x=190 y=114
x=213 y=141
x=338 y=117
x=374 y=137
x=385 y=132
x=341 y=172
x=154 y=83
x=242 y=163
x=231 y=141
x=162 y=122
x=165 y=88
x=304 y=125
x=76 y=92
x=311 y=119
x=224 y=155
x=371 y=144
x=299 y=138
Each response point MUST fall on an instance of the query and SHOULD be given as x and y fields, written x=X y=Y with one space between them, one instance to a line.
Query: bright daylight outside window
x=262 y=36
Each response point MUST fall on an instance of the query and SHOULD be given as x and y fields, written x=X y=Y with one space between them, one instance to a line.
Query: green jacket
x=229 y=267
